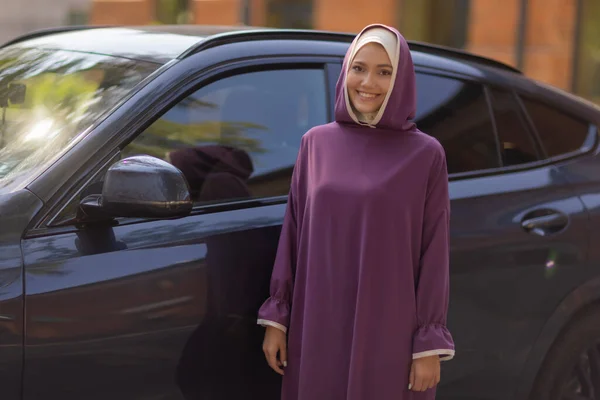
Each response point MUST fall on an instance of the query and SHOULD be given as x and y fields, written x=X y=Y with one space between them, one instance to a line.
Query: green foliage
x=588 y=74
x=172 y=11
x=164 y=136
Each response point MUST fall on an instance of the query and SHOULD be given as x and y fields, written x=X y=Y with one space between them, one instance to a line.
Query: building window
x=442 y=22
x=172 y=11
x=290 y=14
x=587 y=63
x=77 y=17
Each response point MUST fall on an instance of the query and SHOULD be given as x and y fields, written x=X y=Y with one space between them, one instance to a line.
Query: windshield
x=48 y=98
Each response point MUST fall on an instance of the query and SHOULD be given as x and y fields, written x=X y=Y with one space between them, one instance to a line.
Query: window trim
x=531 y=126
x=488 y=99
x=334 y=69
x=525 y=122
x=51 y=217
x=183 y=90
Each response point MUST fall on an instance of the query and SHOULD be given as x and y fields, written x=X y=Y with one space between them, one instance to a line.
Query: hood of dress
x=399 y=107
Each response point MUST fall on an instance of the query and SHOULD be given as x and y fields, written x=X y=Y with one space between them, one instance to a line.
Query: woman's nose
x=369 y=80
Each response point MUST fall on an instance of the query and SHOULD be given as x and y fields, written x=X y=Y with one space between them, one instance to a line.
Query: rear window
x=559 y=132
x=456 y=113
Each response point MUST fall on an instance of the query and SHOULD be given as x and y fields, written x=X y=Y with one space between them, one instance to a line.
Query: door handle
x=544 y=225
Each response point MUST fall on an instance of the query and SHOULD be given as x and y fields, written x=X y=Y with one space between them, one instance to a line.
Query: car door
x=166 y=309
x=518 y=232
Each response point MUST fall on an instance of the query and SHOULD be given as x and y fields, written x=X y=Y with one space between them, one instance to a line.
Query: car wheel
x=571 y=370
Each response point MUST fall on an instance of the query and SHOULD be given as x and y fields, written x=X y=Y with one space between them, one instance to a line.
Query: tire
x=571 y=369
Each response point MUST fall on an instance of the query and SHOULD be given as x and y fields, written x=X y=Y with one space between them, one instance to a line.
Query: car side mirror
x=139 y=187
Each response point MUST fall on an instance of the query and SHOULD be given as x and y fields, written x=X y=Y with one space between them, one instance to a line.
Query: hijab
x=399 y=105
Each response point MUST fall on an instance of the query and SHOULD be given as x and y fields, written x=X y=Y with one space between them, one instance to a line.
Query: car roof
x=158 y=44
x=162 y=43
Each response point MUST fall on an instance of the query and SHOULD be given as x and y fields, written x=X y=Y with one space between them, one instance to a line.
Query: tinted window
x=516 y=143
x=559 y=132
x=457 y=114
x=238 y=137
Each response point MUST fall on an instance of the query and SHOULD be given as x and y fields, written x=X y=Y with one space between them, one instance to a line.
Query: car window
x=238 y=137
x=516 y=142
x=48 y=98
x=456 y=112
x=559 y=133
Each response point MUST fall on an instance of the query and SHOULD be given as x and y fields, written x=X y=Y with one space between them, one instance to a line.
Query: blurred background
x=554 y=41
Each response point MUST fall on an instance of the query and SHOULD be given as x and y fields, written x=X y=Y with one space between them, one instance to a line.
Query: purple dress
x=360 y=281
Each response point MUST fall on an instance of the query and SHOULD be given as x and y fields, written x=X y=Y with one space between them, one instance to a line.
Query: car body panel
x=151 y=309
x=16 y=212
x=505 y=282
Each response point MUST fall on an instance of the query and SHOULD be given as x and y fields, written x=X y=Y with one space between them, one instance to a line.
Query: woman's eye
x=386 y=72
x=357 y=68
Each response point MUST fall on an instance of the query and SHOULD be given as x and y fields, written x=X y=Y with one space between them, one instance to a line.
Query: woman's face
x=369 y=78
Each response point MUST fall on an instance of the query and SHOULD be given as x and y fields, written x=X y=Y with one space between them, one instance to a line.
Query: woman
x=359 y=291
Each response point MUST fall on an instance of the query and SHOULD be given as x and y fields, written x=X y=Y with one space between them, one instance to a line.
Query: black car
x=144 y=174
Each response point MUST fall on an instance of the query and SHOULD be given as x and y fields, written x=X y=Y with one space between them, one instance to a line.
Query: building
x=555 y=41
x=18 y=17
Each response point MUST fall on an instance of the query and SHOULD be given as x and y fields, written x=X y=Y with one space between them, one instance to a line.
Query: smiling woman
x=371 y=74
x=48 y=98
x=369 y=78
x=360 y=278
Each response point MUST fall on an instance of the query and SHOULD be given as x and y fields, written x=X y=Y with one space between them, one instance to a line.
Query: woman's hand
x=275 y=342
x=424 y=373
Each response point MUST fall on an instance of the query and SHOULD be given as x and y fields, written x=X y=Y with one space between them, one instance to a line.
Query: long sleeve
x=275 y=311
x=432 y=336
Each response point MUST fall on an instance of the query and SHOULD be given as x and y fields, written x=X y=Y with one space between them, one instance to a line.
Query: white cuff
x=265 y=323
x=446 y=353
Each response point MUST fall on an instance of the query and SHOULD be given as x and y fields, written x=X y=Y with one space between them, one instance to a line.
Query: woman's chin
x=367 y=110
